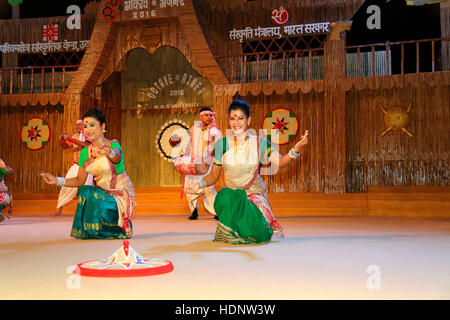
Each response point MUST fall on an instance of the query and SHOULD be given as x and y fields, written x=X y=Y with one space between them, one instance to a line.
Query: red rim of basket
x=116 y=273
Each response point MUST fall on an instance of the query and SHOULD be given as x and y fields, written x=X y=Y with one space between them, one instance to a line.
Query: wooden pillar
x=221 y=104
x=72 y=112
x=334 y=139
x=445 y=33
x=111 y=105
x=16 y=11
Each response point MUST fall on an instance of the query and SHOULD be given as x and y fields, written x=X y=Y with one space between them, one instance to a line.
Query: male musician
x=203 y=139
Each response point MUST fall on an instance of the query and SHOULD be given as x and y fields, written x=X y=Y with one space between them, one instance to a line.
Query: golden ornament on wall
x=397 y=118
x=139 y=111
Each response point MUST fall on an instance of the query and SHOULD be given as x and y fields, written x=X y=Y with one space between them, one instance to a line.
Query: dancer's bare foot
x=57 y=212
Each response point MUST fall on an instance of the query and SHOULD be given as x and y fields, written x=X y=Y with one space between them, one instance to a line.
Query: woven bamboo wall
x=29 y=164
x=302 y=175
x=111 y=104
x=396 y=159
x=143 y=163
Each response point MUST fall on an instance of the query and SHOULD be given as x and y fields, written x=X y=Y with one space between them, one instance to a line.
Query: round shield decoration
x=35 y=134
x=172 y=139
x=280 y=126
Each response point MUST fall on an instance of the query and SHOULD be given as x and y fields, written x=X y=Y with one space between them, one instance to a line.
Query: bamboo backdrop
x=396 y=159
x=29 y=164
x=111 y=99
x=370 y=159
x=143 y=70
x=144 y=164
x=303 y=175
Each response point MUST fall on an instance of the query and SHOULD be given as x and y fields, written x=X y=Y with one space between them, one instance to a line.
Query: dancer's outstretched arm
x=209 y=180
x=282 y=161
x=78 y=181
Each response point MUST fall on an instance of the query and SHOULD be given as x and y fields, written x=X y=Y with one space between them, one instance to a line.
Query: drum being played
x=191 y=165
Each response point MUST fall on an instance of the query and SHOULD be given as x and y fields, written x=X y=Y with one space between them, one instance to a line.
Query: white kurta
x=209 y=193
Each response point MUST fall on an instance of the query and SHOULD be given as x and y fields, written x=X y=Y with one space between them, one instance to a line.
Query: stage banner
x=163 y=80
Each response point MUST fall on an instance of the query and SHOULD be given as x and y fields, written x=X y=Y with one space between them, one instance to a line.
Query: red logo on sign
x=50 y=32
x=109 y=13
x=280 y=15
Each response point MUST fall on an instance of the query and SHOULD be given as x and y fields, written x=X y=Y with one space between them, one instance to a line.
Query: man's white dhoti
x=208 y=193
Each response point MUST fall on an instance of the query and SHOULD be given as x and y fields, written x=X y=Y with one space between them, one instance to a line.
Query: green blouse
x=3 y=173
x=120 y=166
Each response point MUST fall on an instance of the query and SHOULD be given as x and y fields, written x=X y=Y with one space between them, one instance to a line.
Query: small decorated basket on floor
x=124 y=262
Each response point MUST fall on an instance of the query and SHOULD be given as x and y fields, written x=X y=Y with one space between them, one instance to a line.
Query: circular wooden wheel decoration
x=281 y=126
x=124 y=262
x=172 y=140
x=35 y=134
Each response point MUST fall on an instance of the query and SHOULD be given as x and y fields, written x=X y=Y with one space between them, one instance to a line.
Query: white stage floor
x=320 y=258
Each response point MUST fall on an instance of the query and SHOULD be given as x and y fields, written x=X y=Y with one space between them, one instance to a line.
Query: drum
x=191 y=165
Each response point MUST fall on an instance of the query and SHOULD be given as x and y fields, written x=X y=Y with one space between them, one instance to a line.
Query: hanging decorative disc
x=35 y=134
x=124 y=262
x=172 y=139
x=281 y=126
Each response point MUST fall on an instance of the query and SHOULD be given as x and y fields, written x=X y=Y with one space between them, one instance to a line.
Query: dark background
x=37 y=8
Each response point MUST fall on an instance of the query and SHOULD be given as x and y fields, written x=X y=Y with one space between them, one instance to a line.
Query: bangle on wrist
x=61 y=181
x=293 y=155
x=111 y=155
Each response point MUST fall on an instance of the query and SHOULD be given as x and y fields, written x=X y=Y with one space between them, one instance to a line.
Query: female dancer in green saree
x=104 y=211
x=5 y=196
x=243 y=210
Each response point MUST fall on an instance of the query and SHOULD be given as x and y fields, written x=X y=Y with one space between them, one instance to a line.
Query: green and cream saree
x=244 y=213
x=104 y=211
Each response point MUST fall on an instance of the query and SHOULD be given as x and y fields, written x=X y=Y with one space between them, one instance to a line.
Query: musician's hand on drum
x=49 y=179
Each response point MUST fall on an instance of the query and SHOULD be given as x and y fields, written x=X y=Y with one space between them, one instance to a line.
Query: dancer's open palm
x=48 y=178
x=303 y=142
